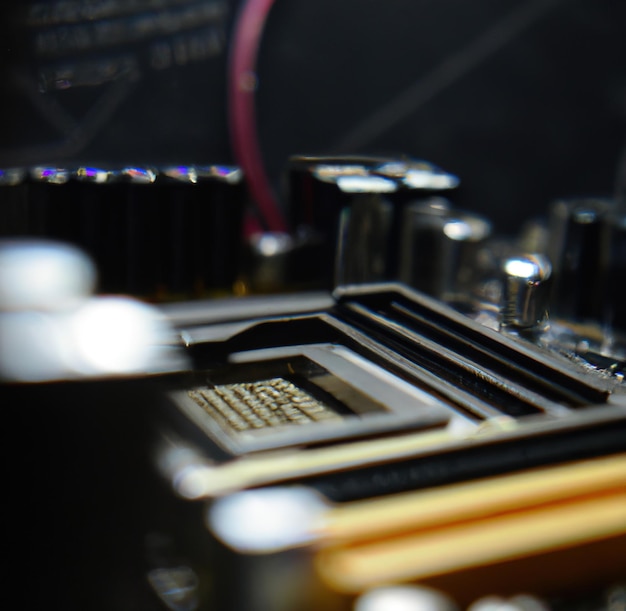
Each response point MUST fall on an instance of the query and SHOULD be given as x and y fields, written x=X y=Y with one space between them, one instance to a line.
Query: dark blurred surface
x=82 y=497
x=524 y=100
x=114 y=82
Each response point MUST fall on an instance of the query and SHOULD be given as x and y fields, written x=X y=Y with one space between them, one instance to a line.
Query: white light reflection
x=266 y=520
x=457 y=230
x=190 y=481
x=521 y=268
x=270 y=244
x=516 y=603
x=330 y=172
x=32 y=346
x=366 y=184
x=51 y=328
x=424 y=179
x=45 y=276
x=528 y=267
x=118 y=335
x=467 y=229
x=404 y=598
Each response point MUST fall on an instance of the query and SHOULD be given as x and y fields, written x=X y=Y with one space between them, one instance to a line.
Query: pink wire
x=242 y=113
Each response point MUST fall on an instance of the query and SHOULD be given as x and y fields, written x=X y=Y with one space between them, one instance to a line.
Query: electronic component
x=510 y=462
x=409 y=409
x=159 y=233
x=489 y=429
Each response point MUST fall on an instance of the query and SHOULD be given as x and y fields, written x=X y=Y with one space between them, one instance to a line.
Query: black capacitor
x=184 y=231
x=439 y=248
x=201 y=214
x=176 y=195
x=315 y=208
x=305 y=194
x=13 y=203
x=165 y=233
x=580 y=254
x=102 y=217
x=70 y=205
x=364 y=251
x=53 y=204
x=350 y=207
x=220 y=198
x=140 y=232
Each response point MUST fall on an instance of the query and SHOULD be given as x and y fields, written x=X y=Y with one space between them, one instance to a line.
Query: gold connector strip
x=385 y=516
x=456 y=529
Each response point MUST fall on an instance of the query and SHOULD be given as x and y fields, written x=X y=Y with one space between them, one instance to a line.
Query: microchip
x=260 y=404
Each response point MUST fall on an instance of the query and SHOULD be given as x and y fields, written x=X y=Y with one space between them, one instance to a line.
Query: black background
x=525 y=100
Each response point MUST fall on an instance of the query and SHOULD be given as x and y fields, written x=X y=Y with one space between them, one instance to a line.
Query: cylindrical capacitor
x=102 y=214
x=315 y=209
x=352 y=207
x=176 y=192
x=184 y=230
x=526 y=291
x=439 y=248
x=314 y=203
x=365 y=231
x=219 y=201
x=139 y=232
x=580 y=252
x=52 y=203
x=158 y=233
x=13 y=203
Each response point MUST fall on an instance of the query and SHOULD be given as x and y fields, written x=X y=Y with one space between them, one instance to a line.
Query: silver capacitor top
x=526 y=291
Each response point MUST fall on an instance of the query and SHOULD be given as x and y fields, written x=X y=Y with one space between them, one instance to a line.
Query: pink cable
x=242 y=115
